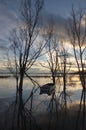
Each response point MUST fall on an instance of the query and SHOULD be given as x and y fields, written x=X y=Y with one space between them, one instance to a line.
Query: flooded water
x=8 y=89
x=8 y=85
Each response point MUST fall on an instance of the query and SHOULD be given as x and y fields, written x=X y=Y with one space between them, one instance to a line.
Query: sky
x=9 y=13
x=63 y=7
x=9 y=16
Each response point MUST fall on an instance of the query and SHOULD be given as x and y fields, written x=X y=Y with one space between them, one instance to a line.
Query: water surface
x=8 y=90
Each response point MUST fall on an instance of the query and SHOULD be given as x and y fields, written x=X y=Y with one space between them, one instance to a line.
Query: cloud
x=8 y=17
x=3 y=42
x=3 y=48
x=58 y=21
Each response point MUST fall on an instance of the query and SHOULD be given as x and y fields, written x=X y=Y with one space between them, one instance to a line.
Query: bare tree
x=77 y=34
x=52 y=50
x=65 y=66
x=12 y=65
x=25 y=48
x=58 y=65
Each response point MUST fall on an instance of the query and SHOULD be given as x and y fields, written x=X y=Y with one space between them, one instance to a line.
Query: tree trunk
x=53 y=78
x=17 y=84
x=21 y=82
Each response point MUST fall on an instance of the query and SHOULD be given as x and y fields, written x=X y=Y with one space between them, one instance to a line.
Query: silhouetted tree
x=77 y=35
x=51 y=50
x=12 y=65
x=65 y=65
x=25 y=48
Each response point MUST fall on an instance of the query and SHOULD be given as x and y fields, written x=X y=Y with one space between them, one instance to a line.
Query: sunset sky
x=9 y=17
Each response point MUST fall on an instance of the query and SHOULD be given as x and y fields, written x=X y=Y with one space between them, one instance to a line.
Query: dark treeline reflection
x=33 y=111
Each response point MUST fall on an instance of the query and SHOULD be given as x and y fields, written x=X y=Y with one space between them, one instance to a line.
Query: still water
x=8 y=89
x=8 y=85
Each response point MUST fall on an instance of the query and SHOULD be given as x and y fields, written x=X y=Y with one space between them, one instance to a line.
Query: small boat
x=48 y=88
